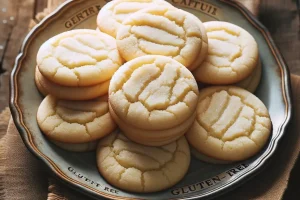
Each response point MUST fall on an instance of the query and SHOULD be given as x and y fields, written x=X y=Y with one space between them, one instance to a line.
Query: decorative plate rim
x=86 y=189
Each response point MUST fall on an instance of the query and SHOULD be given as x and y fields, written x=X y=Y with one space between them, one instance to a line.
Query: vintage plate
x=202 y=180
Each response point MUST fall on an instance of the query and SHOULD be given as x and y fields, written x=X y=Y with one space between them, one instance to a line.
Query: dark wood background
x=279 y=16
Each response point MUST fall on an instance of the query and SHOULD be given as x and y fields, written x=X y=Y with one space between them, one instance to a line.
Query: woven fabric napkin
x=22 y=176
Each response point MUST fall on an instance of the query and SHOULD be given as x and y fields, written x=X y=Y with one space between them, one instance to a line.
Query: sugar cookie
x=153 y=137
x=74 y=121
x=231 y=124
x=163 y=30
x=80 y=147
x=138 y=168
x=232 y=54
x=80 y=57
x=69 y=93
x=153 y=93
x=115 y=12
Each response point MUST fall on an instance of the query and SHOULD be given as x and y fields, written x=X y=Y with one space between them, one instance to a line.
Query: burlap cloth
x=22 y=176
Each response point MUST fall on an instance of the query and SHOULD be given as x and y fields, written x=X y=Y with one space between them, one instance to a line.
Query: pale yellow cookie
x=163 y=30
x=231 y=124
x=138 y=168
x=80 y=147
x=232 y=54
x=153 y=137
x=69 y=93
x=115 y=12
x=80 y=57
x=153 y=93
x=74 y=121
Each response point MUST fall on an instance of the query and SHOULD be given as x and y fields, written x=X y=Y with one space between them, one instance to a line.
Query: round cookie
x=153 y=93
x=74 y=121
x=232 y=54
x=115 y=12
x=231 y=124
x=69 y=93
x=138 y=168
x=166 y=31
x=153 y=137
x=79 y=57
x=80 y=147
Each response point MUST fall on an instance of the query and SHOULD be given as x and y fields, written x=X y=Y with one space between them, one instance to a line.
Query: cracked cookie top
x=138 y=168
x=79 y=58
x=232 y=54
x=231 y=124
x=75 y=121
x=162 y=30
x=115 y=12
x=153 y=93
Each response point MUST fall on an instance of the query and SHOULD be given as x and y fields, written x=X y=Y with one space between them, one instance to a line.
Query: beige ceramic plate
x=203 y=180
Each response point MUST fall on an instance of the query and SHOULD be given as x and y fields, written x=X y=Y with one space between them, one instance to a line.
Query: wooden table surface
x=279 y=16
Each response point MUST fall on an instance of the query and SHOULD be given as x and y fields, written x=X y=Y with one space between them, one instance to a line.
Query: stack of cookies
x=72 y=66
x=77 y=65
x=153 y=97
